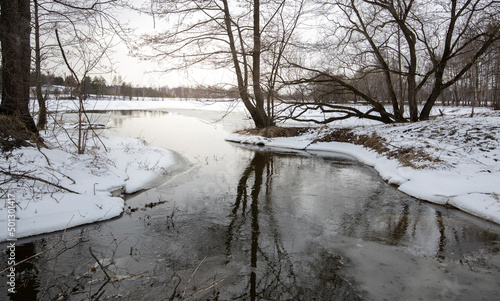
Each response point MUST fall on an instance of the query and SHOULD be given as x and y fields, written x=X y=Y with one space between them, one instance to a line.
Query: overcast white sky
x=141 y=73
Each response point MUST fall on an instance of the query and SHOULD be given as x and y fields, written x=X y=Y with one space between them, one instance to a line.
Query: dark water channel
x=254 y=224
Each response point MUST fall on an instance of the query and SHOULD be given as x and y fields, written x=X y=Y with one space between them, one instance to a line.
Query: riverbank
x=54 y=188
x=451 y=160
x=51 y=189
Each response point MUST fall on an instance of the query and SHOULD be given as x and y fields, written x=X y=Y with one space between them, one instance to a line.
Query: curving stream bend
x=237 y=223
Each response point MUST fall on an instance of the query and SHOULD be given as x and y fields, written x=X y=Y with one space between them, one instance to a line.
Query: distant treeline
x=98 y=86
x=461 y=94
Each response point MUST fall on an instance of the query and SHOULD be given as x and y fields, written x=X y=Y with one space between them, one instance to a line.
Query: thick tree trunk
x=15 y=31
x=42 y=109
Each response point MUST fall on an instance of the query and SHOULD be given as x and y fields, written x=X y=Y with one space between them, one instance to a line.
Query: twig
x=66 y=228
x=40 y=150
x=62 y=174
x=215 y=283
x=14 y=175
x=191 y=277
x=55 y=246
x=100 y=264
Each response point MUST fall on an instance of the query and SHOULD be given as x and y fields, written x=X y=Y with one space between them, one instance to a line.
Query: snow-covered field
x=55 y=188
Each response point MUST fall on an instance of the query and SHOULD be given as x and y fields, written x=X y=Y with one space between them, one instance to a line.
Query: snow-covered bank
x=55 y=188
x=467 y=174
x=463 y=169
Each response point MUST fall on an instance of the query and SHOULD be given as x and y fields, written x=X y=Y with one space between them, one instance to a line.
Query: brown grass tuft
x=275 y=131
x=408 y=156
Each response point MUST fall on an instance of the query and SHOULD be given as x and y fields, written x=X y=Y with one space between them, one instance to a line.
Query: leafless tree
x=84 y=54
x=496 y=76
x=69 y=15
x=42 y=109
x=246 y=36
x=480 y=85
x=402 y=41
x=79 y=35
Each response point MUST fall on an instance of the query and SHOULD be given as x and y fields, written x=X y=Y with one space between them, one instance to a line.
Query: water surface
x=255 y=224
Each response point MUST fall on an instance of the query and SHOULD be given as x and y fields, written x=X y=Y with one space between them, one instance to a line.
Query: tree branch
x=25 y=175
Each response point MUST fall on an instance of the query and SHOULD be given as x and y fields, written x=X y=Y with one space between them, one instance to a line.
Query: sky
x=142 y=73
x=131 y=69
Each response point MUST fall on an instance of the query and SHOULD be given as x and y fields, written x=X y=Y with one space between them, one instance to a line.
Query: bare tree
x=495 y=57
x=463 y=17
x=87 y=52
x=403 y=41
x=78 y=35
x=16 y=53
x=234 y=34
x=42 y=109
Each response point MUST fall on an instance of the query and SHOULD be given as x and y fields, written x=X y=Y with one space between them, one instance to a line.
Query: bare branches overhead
x=247 y=36
x=404 y=46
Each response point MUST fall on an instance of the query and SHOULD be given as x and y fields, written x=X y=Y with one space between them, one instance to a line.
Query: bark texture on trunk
x=15 y=31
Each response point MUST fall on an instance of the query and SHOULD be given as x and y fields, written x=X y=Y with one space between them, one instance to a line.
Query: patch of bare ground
x=275 y=131
x=413 y=157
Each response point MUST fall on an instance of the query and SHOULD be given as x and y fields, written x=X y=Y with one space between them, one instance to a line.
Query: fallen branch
x=100 y=264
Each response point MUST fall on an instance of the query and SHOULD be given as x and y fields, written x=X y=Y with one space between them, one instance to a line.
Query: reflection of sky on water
x=276 y=226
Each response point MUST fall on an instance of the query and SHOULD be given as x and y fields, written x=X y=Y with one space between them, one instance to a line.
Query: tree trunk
x=257 y=111
x=496 y=79
x=263 y=118
x=412 y=71
x=15 y=31
x=42 y=109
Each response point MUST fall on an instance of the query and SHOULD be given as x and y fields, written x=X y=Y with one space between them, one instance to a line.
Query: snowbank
x=466 y=170
x=54 y=189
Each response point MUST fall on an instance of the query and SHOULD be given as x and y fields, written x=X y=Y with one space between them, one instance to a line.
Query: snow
x=95 y=178
x=87 y=188
x=465 y=175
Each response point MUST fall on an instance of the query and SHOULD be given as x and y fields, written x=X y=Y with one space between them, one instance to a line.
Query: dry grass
x=374 y=141
x=407 y=156
x=413 y=157
x=275 y=131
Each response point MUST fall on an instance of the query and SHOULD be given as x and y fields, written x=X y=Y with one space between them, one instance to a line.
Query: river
x=250 y=223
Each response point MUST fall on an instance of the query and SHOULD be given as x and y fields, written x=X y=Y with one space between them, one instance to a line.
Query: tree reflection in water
x=272 y=271
x=292 y=227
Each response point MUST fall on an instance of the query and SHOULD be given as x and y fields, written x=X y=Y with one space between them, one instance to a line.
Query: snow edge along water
x=91 y=182
x=443 y=187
